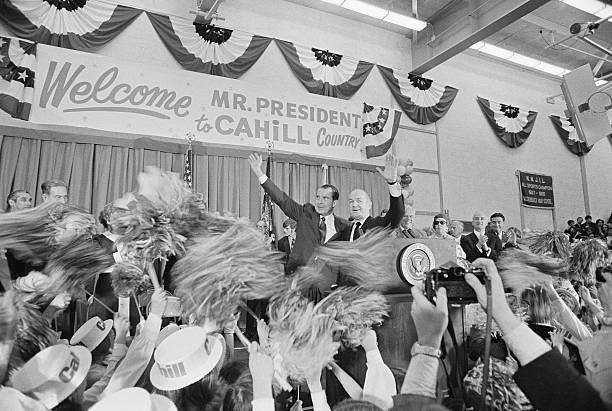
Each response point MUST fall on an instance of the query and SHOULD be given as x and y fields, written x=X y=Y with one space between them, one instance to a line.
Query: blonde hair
x=538 y=305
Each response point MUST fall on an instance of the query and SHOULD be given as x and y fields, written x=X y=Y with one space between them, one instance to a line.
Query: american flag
x=17 y=67
x=188 y=167
x=380 y=126
x=267 y=213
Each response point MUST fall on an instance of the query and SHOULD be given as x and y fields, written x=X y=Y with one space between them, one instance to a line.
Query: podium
x=414 y=257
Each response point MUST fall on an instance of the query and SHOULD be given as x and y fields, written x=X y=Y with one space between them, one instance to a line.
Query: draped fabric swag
x=423 y=100
x=510 y=124
x=207 y=48
x=17 y=73
x=79 y=25
x=566 y=130
x=323 y=72
x=99 y=173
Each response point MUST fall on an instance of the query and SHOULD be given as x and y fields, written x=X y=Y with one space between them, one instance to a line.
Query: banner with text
x=536 y=190
x=88 y=90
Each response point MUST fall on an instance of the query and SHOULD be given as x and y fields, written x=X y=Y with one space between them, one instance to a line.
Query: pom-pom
x=8 y=317
x=355 y=310
x=409 y=170
x=369 y=261
x=401 y=170
x=521 y=269
x=586 y=257
x=33 y=332
x=552 y=243
x=126 y=278
x=74 y=264
x=222 y=270
x=29 y=233
x=301 y=338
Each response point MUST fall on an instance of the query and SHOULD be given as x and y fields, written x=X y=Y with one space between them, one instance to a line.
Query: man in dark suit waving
x=360 y=206
x=315 y=223
x=477 y=244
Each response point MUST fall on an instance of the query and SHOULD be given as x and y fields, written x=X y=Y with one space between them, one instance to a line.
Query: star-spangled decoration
x=69 y=5
x=419 y=82
x=17 y=74
x=327 y=58
x=509 y=111
x=212 y=33
x=510 y=124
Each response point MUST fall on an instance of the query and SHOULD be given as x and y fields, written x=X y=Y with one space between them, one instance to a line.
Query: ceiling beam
x=463 y=23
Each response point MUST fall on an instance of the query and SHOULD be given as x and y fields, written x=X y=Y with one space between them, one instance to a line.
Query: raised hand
x=430 y=320
x=256 y=162
x=502 y=314
x=121 y=324
x=262 y=371
x=390 y=171
x=158 y=302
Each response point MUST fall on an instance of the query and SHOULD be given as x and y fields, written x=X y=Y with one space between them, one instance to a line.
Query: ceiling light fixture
x=334 y=2
x=518 y=58
x=524 y=60
x=379 y=13
x=496 y=51
x=365 y=8
x=405 y=21
x=595 y=7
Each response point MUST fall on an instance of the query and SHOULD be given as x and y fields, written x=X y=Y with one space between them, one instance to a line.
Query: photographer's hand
x=430 y=320
x=502 y=314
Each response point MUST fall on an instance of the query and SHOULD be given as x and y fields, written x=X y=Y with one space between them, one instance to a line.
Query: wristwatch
x=425 y=350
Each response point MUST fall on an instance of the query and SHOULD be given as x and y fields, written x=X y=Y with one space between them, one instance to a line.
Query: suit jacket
x=415 y=231
x=307 y=228
x=391 y=219
x=472 y=252
x=284 y=247
x=550 y=382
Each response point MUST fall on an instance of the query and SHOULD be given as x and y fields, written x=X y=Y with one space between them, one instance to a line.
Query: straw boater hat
x=92 y=333
x=134 y=399
x=185 y=357
x=166 y=332
x=53 y=374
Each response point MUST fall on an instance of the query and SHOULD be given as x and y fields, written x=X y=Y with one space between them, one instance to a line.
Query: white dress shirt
x=330 y=226
x=479 y=234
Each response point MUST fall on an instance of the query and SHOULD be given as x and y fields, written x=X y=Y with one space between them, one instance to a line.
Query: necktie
x=291 y=243
x=358 y=232
x=410 y=233
x=322 y=230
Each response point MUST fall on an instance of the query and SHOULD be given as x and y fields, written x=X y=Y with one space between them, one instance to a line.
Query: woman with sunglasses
x=440 y=227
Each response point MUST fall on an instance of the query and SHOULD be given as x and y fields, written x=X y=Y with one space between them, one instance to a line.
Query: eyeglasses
x=441 y=222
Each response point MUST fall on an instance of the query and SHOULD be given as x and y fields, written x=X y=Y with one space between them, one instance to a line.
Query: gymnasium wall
x=476 y=169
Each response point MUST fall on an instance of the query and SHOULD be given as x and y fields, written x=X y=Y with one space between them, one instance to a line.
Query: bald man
x=360 y=206
x=477 y=244
x=406 y=228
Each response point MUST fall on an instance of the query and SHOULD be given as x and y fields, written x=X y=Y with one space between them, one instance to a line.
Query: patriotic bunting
x=76 y=24
x=17 y=67
x=209 y=49
x=568 y=134
x=423 y=100
x=323 y=72
x=511 y=124
x=378 y=129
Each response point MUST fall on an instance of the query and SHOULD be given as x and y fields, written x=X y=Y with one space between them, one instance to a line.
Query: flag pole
x=188 y=177
x=266 y=210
